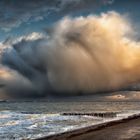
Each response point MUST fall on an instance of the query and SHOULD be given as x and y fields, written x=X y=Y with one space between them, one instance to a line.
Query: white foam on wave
x=20 y=125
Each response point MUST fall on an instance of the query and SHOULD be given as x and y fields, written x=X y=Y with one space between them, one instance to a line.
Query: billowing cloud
x=124 y=96
x=10 y=80
x=82 y=55
x=30 y=37
x=117 y=97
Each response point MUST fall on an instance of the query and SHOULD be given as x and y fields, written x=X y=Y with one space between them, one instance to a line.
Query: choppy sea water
x=23 y=120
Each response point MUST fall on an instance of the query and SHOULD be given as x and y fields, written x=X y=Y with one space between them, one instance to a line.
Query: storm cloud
x=82 y=55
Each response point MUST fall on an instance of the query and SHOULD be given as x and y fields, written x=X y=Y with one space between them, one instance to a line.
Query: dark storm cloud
x=15 y=12
x=83 y=55
x=24 y=78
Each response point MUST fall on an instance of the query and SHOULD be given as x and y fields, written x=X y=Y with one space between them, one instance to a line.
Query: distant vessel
x=1 y=101
x=2 y=85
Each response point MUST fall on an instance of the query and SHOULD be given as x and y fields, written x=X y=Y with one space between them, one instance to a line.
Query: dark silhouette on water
x=103 y=114
x=2 y=85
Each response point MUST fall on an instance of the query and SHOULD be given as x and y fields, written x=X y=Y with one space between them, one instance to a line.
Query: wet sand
x=127 y=129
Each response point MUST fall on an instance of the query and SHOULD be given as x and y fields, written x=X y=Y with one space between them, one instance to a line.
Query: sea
x=35 y=119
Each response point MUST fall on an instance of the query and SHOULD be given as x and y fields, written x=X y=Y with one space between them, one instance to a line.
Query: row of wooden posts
x=106 y=114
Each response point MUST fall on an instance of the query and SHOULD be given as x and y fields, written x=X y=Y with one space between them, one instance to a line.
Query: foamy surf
x=28 y=125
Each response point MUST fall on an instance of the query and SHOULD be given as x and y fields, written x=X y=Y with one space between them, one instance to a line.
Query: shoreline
x=79 y=133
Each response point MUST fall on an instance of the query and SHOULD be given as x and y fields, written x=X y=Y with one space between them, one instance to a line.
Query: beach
x=62 y=120
x=126 y=129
